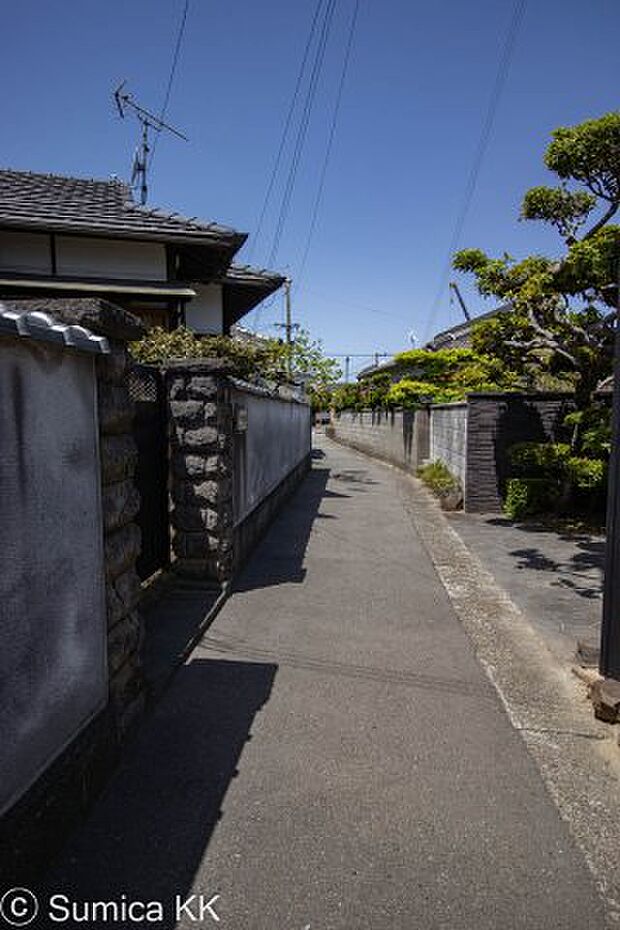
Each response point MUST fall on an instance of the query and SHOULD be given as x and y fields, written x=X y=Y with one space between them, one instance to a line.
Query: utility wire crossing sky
x=413 y=129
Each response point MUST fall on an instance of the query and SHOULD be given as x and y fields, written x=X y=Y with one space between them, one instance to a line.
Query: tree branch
x=601 y=222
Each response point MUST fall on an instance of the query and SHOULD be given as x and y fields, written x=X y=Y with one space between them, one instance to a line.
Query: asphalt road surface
x=332 y=755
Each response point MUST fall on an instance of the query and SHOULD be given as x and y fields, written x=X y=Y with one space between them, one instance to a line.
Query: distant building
x=457 y=337
x=65 y=236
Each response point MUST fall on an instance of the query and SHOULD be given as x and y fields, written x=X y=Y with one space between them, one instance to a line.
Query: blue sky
x=417 y=90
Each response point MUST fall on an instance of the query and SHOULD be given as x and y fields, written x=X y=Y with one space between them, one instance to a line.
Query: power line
x=485 y=135
x=303 y=128
x=175 y=61
x=315 y=74
x=330 y=141
x=285 y=131
x=356 y=306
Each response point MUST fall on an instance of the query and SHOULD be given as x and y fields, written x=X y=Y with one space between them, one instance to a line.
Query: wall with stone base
x=42 y=818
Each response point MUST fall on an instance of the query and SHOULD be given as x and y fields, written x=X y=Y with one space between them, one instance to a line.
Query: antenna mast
x=124 y=101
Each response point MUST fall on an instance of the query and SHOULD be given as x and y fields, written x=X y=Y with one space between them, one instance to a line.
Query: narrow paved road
x=333 y=755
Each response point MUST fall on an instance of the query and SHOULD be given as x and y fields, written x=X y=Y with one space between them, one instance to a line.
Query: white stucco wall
x=204 y=312
x=25 y=252
x=277 y=438
x=115 y=258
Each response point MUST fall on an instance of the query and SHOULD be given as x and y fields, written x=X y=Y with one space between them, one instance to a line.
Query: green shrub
x=586 y=474
x=539 y=459
x=528 y=496
x=439 y=479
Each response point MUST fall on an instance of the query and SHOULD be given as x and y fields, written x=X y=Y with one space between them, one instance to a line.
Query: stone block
x=195 y=545
x=115 y=408
x=122 y=548
x=120 y=503
x=605 y=696
x=187 y=411
x=119 y=456
x=177 y=387
x=203 y=437
x=124 y=640
x=195 y=519
x=202 y=387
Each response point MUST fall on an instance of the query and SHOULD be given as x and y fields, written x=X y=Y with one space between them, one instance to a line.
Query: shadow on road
x=579 y=568
x=149 y=832
x=278 y=558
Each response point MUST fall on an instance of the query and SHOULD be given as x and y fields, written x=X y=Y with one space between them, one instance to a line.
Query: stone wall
x=448 y=438
x=206 y=467
x=201 y=454
x=397 y=436
x=42 y=818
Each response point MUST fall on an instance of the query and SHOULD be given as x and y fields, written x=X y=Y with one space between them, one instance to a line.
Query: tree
x=306 y=361
x=559 y=323
x=265 y=358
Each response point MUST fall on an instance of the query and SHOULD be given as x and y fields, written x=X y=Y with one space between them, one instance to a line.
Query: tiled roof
x=36 y=325
x=245 y=274
x=57 y=203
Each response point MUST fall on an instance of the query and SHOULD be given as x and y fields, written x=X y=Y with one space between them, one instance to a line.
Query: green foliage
x=590 y=267
x=590 y=154
x=559 y=325
x=586 y=474
x=591 y=430
x=566 y=210
x=445 y=375
x=528 y=496
x=159 y=345
x=264 y=358
x=540 y=459
x=437 y=477
x=411 y=394
x=548 y=475
x=348 y=397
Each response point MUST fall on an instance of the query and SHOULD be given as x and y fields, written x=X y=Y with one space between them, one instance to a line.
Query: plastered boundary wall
x=42 y=818
x=397 y=436
x=471 y=438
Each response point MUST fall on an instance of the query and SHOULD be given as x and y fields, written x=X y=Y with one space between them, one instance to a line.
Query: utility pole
x=347 y=366
x=610 y=628
x=288 y=326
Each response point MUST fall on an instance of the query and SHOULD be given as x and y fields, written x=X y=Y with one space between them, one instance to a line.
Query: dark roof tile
x=50 y=201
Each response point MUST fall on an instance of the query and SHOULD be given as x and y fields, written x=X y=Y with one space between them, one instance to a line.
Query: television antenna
x=124 y=101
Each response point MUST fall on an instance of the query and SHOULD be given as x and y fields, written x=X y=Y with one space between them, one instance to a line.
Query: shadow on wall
x=520 y=420
x=150 y=831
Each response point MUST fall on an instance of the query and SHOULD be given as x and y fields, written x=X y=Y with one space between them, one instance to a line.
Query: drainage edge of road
x=577 y=756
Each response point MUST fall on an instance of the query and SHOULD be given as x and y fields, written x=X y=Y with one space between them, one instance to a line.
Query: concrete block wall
x=397 y=436
x=448 y=438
